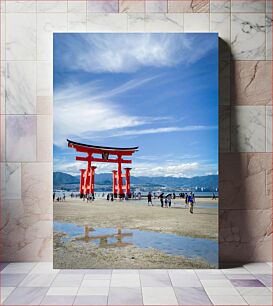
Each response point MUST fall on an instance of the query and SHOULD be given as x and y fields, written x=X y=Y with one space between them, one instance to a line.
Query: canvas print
x=135 y=182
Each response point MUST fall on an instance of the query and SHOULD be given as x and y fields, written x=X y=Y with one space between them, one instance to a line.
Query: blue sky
x=156 y=91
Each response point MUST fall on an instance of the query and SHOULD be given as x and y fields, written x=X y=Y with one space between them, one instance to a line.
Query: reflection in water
x=170 y=244
x=104 y=239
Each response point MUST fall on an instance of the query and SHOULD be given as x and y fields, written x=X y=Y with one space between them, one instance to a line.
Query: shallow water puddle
x=168 y=243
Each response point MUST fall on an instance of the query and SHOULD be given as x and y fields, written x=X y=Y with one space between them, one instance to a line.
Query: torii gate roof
x=84 y=146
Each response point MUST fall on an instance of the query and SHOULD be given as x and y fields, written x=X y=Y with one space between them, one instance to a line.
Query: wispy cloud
x=88 y=110
x=96 y=89
x=117 y=53
x=170 y=129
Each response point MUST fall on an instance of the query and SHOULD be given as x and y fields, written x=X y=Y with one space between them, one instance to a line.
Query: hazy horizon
x=110 y=173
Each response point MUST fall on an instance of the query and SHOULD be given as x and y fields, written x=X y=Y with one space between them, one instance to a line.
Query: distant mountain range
x=207 y=181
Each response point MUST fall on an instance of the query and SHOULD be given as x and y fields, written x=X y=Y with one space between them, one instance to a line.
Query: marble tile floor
x=40 y=284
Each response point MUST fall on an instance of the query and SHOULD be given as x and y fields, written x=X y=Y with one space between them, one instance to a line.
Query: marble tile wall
x=245 y=111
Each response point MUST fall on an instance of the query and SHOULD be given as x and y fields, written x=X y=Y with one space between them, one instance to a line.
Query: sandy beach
x=133 y=214
x=72 y=255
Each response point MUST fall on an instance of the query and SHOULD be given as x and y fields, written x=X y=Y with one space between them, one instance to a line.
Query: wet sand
x=72 y=255
x=203 y=223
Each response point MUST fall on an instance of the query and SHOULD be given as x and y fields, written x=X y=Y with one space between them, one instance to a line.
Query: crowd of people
x=90 y=197
x=123 y=196
x=60 y=198
x=165 y=200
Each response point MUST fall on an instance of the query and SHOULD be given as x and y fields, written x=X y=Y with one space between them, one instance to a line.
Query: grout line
x=183 y=15
x=266 y=132
x=36 y=19
x=141 y=287
x=4 y=89
x=203 y=285
x=109 y=286
x=128 y=23
x=78 y=289
x=265 y=37
x=67 y=29
x=210 y=31
x=86 y=15
x=167 y=270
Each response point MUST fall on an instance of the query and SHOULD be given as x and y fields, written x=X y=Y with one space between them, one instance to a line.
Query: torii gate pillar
x=87 y=179
x=127 y=186
x=82 y=181
x=120 y=189
x=92 y=179
x=115 y=182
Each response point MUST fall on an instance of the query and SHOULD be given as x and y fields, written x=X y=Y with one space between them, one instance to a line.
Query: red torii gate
x=87 y=177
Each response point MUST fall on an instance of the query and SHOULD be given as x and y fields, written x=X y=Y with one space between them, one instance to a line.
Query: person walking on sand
x=169 y=200
x=174 y=197
x=166 y=201
x=54 y=194
x=190 y=200
x=150 y=199
x=161 y=199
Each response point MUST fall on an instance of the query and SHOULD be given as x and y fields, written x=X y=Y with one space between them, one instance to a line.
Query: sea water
x=170 y=244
